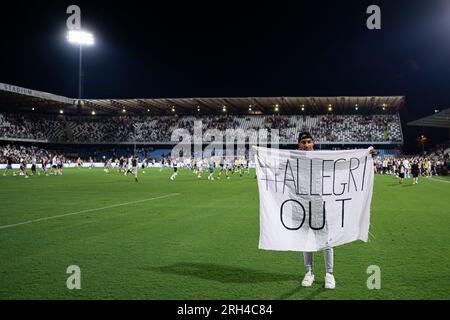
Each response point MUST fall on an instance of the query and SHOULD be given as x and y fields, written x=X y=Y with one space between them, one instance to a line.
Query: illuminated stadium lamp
x=384 y=108
x=224 y=109
x=173 y=109
x=81 y=38
x=32 y=109
x=124 y=110
x=61 y=111
x=93 y=113
x=250 y=107
x=330 y=108
x=356 y=107
x=436 y=110
x=276 y=108
x=303 y=107
x=198 y=108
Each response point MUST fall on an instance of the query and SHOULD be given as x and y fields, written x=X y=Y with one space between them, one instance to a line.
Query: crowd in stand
x=358 y=128
x=325 y=128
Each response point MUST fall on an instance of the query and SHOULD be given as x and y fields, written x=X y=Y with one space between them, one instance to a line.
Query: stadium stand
x=325 y=128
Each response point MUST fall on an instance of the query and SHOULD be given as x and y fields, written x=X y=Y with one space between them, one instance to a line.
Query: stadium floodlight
x=93 y=113
x=81 y=38
x=61 y=111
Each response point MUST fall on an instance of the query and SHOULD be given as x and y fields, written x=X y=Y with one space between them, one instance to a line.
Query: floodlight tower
x=81 y=38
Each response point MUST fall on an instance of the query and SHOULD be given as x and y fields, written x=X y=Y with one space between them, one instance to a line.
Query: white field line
x=440 y=180
x=85 y=211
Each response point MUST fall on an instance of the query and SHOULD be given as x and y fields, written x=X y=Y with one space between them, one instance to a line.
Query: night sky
x=169 y=49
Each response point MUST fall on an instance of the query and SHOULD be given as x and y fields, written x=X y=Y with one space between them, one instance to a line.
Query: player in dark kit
x=415 y=172
x=401 y=173
x=134 y=168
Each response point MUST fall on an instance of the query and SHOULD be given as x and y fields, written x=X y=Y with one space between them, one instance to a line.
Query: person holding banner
x=287 y=192
x=306 y=143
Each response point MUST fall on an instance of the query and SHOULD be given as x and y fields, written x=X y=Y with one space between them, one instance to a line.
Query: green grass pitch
x=198 y=239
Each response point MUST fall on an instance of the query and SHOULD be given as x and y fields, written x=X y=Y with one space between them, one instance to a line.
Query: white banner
x=311 y=200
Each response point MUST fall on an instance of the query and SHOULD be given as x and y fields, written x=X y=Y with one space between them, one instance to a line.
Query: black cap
x=304 y=135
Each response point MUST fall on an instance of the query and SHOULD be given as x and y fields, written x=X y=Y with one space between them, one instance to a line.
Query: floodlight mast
x=80 y=37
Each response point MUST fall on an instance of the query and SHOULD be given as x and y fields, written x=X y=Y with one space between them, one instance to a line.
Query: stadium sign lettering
x=15 y=89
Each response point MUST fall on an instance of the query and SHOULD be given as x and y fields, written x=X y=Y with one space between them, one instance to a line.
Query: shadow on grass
x=317 y=291
x=314 y=291
x=223 y=274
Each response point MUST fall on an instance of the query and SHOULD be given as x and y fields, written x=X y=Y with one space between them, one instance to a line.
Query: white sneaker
x=330 y=283
x=308 y=279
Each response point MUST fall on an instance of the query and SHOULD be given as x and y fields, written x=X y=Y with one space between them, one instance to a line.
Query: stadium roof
x=438 y=120
x=15 y=98
x=18 y=98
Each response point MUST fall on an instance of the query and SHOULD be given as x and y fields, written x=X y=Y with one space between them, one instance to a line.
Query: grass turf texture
x=202 y=243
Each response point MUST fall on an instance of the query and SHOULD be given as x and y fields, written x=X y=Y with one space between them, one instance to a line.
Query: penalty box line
x=86 y=211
